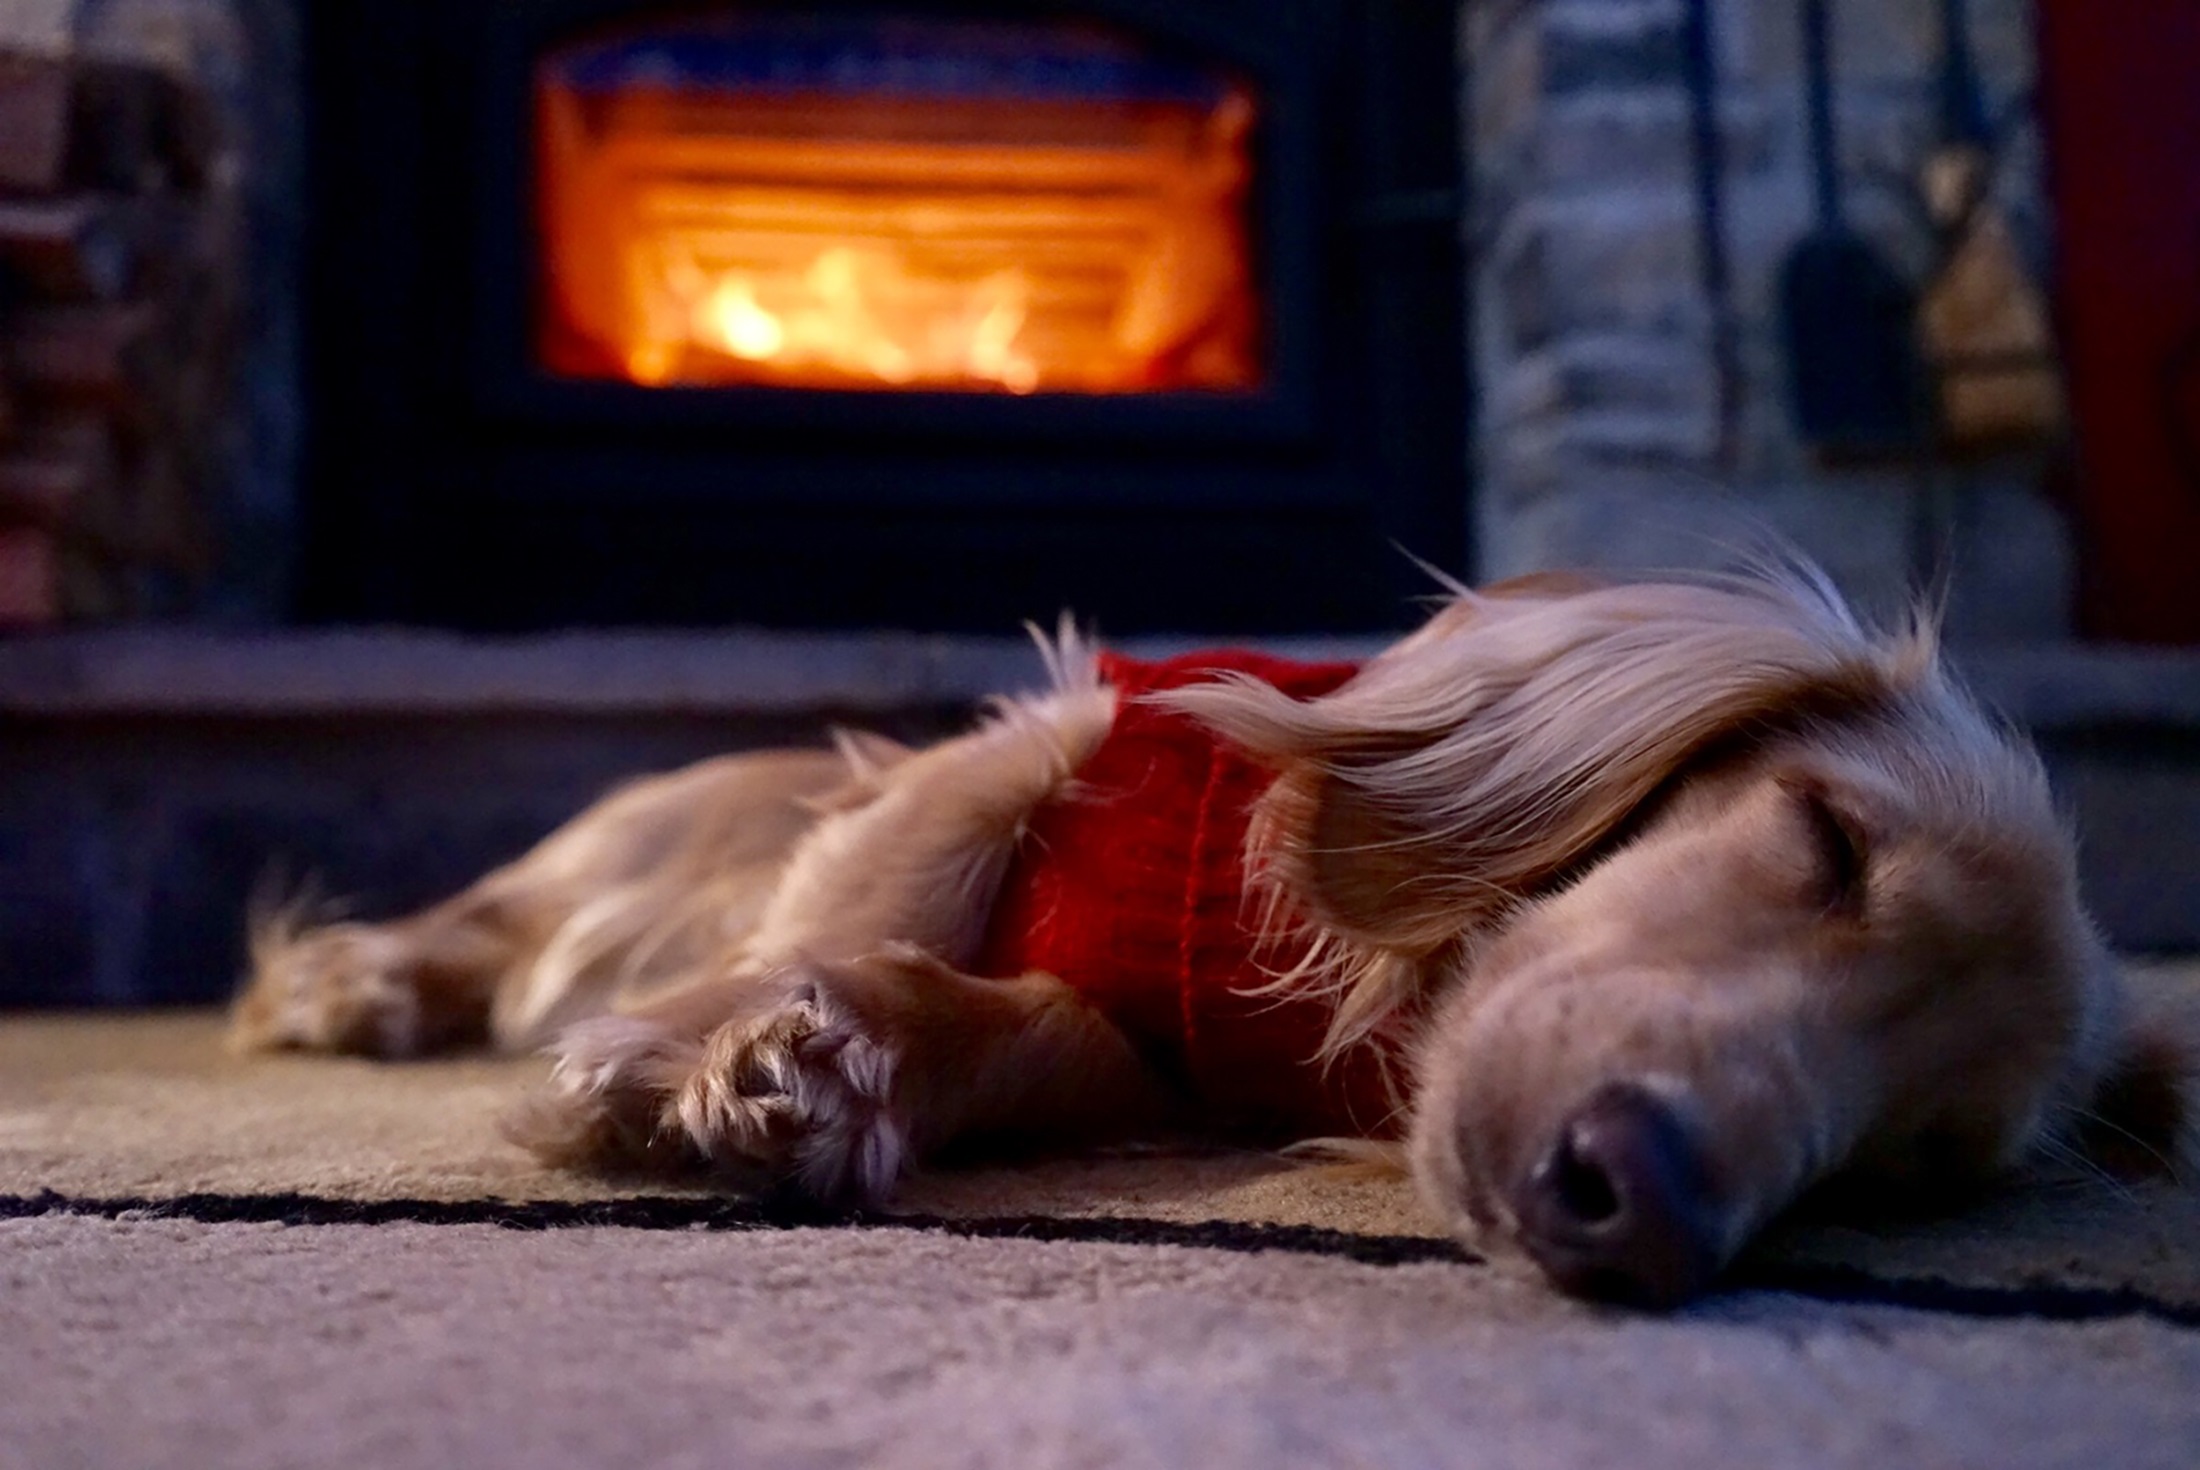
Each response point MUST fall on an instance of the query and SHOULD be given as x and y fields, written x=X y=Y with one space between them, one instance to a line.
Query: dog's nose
x=1620 y=1206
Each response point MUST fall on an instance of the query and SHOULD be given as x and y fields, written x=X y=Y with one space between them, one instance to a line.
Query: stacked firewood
x=117 y=313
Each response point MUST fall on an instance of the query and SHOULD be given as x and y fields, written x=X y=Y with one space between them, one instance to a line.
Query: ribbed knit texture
x=1132 y=889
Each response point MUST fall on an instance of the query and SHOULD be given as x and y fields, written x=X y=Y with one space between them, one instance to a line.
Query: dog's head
x=1686 y=897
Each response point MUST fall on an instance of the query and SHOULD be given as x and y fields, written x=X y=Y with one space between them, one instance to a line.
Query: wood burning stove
x=925 y=314
x=837 y=203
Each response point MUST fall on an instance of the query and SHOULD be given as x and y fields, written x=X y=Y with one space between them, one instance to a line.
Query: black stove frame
x=448 y=481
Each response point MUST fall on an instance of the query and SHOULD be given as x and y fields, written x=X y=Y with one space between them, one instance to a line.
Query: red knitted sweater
x=1132 y=889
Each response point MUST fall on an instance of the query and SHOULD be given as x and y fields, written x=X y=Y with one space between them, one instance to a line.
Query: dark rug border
x=664 y=1212
x=2044 y=1301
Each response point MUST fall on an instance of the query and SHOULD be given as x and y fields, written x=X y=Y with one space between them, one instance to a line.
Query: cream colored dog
x=1668 y=900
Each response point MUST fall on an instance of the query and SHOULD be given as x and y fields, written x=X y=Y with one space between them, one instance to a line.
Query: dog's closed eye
x=1839 y=847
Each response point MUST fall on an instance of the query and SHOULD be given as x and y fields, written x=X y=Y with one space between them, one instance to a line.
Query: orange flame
x=829 y=242
x=850 y=313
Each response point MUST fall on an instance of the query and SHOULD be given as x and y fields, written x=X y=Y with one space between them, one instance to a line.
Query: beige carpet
x=165 y=1343
x=1215 y=1311
x=151 y=1108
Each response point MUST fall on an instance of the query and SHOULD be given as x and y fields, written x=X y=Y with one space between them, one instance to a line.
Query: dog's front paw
x=608 y=1098
x=800 y=1093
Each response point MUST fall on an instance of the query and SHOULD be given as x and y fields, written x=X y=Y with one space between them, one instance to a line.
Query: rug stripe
x=1838 y=1284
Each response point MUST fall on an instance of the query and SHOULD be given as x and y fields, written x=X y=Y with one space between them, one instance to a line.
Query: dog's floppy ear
x=1481 y=758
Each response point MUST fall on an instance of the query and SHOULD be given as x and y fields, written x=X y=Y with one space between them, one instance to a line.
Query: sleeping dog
x=1622 y=913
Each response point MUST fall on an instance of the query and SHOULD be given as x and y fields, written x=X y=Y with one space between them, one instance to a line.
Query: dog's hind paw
x=800 y=1094
x=330 y=989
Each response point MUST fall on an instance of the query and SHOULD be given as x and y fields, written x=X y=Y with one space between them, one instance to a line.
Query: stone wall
x=247 y=52
x=1606 y=436
x=238 y=62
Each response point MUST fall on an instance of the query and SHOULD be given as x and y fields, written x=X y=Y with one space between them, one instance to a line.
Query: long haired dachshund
x=1626 y=912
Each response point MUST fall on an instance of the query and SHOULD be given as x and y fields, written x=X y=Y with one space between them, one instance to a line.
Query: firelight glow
x=848 y=313
x=836 y=240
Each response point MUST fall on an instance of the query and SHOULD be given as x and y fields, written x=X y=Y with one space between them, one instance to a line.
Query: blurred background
x=415 y=416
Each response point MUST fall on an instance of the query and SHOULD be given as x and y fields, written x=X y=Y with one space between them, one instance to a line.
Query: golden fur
x=1672 y=899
